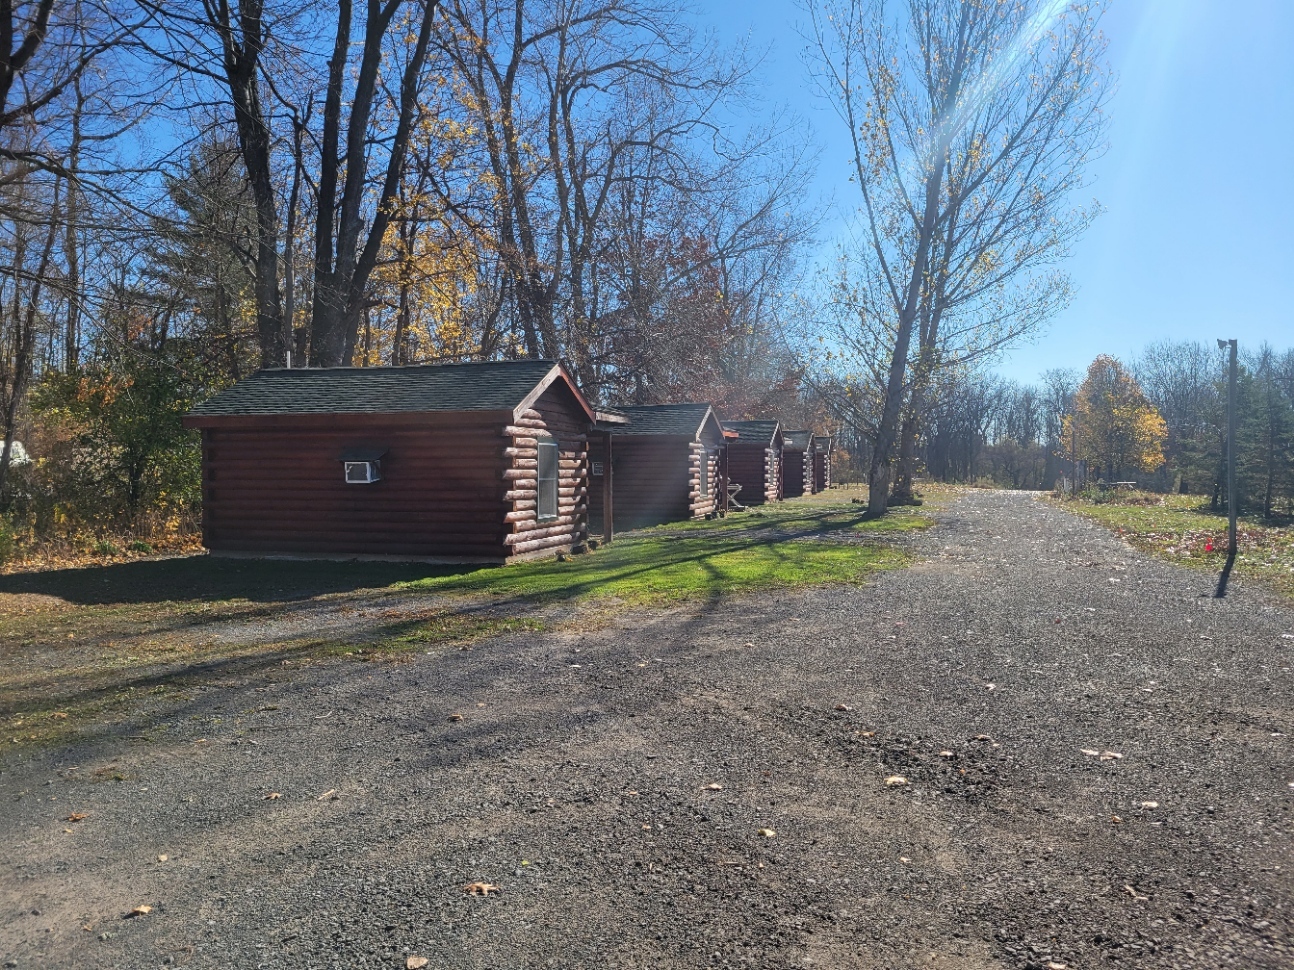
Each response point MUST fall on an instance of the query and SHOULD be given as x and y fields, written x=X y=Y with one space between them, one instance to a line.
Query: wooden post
x=608 y=514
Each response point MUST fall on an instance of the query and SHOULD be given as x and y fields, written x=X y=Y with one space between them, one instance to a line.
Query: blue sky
x=1197 y=240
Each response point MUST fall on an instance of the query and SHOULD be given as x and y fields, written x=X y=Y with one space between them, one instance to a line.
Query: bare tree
x=971 y=123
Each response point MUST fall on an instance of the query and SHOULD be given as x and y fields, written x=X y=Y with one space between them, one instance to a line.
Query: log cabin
x=797 y=464
x=823 y=445
x=478 y=462
x=666 y=465
x=755 y=460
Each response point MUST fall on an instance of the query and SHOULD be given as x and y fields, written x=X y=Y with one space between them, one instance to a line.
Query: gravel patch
x=1035 y=747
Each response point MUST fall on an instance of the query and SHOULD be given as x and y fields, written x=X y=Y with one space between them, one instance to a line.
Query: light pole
x=1231 y=446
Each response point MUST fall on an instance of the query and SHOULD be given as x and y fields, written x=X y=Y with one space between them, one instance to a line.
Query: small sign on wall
x=596 y=471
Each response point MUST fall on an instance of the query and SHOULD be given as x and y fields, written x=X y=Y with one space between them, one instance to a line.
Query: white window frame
x=547 y=485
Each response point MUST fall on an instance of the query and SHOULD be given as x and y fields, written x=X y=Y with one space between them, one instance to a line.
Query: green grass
x=82 y=649
x=1180 y=528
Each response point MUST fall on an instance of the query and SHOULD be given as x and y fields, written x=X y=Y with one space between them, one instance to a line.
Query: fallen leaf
x=867 y=734
x=714 y=786
x=272 y=796
x=904 y=858
x=69 y=830
x=646 y=826
x=415 y=963
x=162 y=858
x=480 y=888
x=139 y=911
x=1133 y=893
x=456 y=717
x=1053 y=965
x=59 y=715
x=843 y=707
x=982 y=737
x=945 y=754
x=1150 y=804
x=895 y=781
x=330 y=793
x=990 y=686
x=78 y=816
x=1110 y=756
x=768 y=833
x=1115 y=820
x=1090 y=752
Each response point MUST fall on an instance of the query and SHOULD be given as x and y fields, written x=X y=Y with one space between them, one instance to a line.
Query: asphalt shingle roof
x=494 y=386
x=757 y=431
x=797 y=440
x=664 y=419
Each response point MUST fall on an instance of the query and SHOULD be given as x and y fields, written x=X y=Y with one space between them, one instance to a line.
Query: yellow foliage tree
x=1119 y=431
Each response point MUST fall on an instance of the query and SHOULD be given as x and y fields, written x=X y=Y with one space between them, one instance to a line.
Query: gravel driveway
x=1097 y=758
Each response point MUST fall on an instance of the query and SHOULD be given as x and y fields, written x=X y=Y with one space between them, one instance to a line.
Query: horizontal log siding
x=773 y=474
x=554 y=415
x=276 y=487
x=797 y=478
x=821 y=472
x=748 y=467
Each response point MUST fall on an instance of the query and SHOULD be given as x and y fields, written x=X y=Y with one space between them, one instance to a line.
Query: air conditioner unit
x=362 y=472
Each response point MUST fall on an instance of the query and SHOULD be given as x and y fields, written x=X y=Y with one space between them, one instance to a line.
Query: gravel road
x=1097 y=757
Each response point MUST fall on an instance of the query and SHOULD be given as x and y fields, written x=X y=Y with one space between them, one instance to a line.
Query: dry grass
x=1181 y=528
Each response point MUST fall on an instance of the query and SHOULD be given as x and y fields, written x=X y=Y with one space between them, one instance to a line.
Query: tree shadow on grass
x=213 y=579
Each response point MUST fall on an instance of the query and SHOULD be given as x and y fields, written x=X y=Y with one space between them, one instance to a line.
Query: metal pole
x=1231 y=445
x=1073 y=449
x=1231 y=451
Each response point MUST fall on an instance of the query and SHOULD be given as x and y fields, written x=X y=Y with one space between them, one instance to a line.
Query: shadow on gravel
x=210 y=579
x=1225 y=578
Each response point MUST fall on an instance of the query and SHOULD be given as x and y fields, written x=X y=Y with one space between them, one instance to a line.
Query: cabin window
x=362 y=472
x=704 y=482
x=547 y=480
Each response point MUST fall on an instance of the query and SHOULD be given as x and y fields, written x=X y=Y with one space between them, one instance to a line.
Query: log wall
x=797 y=473
x=554 y=415
x=276 y=486
x=757 y=470
x=821 y=471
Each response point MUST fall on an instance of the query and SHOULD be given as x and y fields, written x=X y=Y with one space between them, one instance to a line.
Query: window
x=704 y=484
x=547 y=479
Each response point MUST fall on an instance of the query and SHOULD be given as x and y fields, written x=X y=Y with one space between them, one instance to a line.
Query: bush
x=105 y=547
x=139 y=545
x=8 y=541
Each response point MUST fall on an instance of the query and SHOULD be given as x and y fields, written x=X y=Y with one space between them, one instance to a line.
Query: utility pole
x=1073 y=448
x=1231 y=446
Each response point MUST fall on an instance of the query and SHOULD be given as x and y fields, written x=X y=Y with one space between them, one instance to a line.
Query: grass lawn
x=82 y=647
x=1180 y=527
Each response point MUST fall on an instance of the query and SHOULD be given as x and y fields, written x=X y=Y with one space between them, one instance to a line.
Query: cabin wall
x=748 y=466
x=821 y=471
x=274 y=485
x=557 y=415
x=653 y=477
x=773 y=474
x=797 y=478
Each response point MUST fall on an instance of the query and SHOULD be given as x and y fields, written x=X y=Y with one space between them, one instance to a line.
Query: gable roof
x=760 y=432
x=662 y=419
x=823 y=443
x=491 y=386
x=797 y=440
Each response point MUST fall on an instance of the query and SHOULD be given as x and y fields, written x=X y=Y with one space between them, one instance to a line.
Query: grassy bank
x=88 y=646
x=1180 y=528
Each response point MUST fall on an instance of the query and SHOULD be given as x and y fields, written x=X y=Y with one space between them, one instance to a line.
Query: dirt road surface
x=1096 y=754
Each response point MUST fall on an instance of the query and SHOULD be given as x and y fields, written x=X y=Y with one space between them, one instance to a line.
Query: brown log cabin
x=797 y=464
x=666 y=465
x=823 y=445
x=755 y=460
x=480 y=462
